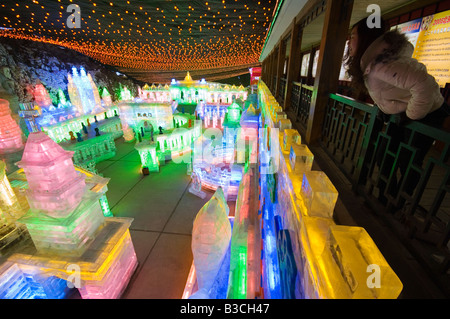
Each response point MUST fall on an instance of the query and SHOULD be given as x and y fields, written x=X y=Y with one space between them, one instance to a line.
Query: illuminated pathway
x=163 y=212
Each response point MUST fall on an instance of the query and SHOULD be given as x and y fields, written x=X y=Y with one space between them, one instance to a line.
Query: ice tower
x=63 y=214
x=68 y=228
x=54 y=185
x=10 y=133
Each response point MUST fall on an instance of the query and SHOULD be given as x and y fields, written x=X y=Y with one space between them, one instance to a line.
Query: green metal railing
x=301 y=101
x=394 y=174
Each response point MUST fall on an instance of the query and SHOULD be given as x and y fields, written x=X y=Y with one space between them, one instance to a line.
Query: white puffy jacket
x=401 y=84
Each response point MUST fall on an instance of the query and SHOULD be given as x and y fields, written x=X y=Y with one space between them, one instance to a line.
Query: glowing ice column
x=74 y=95
x=10 y=133
x=147 y=152
x=211 y=235
x=94 y=90
x=246 y=241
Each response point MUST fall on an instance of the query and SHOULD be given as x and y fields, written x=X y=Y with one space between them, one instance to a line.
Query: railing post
x=367 y=149
x=334 y=35
x=294 y=63
x=279 y=66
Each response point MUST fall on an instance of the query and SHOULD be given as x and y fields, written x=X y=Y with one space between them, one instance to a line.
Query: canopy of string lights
x=149 y=40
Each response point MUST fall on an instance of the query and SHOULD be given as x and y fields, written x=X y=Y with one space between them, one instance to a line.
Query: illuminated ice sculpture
x=10 y=132
x=211 y=234
x=63 y=213
x=83 y=92
x=54 y=185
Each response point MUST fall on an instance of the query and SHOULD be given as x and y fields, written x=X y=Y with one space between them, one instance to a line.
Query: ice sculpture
x=106 y=97
x=284 y=124
x=353 y=263
x=54 y=185
x=290 y=136
x=300 y=158
x=10 y=132
x=15 y=284
x=62 y=101
x=102 y=271
x=245 y=260
x=41 y=96
x=63 y=213
x=10 y=210
x=147 y=152
x=196 y=185
x=234 y=113
x=211 y=234
x=318 y=194
x=83 y=92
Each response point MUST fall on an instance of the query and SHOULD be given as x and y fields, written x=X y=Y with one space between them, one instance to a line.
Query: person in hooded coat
x=380 y=64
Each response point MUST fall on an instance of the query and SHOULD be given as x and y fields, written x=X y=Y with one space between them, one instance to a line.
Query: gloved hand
x=400 y=118
x=383 y=117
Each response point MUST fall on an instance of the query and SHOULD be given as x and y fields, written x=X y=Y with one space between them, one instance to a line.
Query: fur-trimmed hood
x=390 y=46
x=397 y=82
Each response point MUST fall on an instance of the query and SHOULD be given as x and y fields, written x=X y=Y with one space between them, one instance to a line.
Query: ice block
x=196 y=185
x=147 y=152
x=245 y=262
x=284 y=124
x=300 y=159
x=211 y=235
x=355 y=267
x=312 y=237
x=280 y=115
x=290 y=136
x=318 y=194
x=70 y=235
x=102 y=271
x=15 y=284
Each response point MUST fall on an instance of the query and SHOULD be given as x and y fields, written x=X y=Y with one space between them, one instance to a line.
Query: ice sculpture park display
x=84 y=106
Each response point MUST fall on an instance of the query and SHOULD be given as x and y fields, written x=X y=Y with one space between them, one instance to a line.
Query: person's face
x=353 y=41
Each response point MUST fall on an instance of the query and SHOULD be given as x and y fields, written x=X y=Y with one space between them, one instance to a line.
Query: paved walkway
x=163 y=212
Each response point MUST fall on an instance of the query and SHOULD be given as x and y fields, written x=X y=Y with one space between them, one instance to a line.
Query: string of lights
x=147 y=35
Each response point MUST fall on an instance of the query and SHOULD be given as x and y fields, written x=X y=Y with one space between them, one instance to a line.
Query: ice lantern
x=10 y=133
x=54 y=185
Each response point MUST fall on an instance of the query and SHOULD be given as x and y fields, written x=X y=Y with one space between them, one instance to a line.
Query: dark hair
x=366 y=36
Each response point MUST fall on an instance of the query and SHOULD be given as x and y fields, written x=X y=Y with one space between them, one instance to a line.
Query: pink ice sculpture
x=10 y=132
x=55 y=187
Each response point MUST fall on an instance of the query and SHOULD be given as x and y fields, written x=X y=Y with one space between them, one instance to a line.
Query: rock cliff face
x=25 y=63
